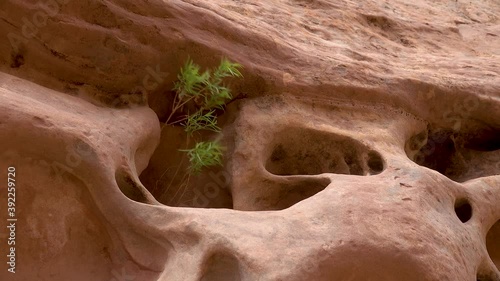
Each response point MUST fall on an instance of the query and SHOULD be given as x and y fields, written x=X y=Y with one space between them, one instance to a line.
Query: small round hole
x=463 y=209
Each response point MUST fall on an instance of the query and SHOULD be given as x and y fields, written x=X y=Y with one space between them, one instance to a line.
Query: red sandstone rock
x=364 y=143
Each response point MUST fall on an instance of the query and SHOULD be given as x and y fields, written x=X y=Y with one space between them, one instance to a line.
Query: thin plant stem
x=212 y=93
x=177 y=108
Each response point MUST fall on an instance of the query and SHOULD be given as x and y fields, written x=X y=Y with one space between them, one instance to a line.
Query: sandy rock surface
x=363 y=143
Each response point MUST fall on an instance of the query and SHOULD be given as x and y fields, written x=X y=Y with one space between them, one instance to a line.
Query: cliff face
x=363 y=143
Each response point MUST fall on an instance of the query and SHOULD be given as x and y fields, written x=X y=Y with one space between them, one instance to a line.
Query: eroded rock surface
x=363 y=143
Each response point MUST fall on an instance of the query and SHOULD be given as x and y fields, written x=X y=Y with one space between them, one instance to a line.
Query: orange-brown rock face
x=363 y=142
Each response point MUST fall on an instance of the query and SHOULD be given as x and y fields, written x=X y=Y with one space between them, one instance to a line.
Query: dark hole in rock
x=463 y=209
x=375 y=162
x=300 y=151
x=17 y=61
x=485 y=140
x=278 y=154
x=458 y=156
x=222 y=267
x=290 y=191
x=129 y=187
x=484 y=277
x=493 y=244
x=168 y=179
x=437 y=152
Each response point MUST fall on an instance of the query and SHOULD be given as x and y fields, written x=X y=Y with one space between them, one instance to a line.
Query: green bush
x=207 y=91
x=204 y=154
x=201 y=121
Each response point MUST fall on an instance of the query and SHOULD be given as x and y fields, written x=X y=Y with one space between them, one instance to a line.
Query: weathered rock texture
x=363 y=143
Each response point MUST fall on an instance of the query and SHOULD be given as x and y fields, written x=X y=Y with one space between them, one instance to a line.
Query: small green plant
x=201 y=121
x=204 y=93
x=206 y=90
x=204 y=154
